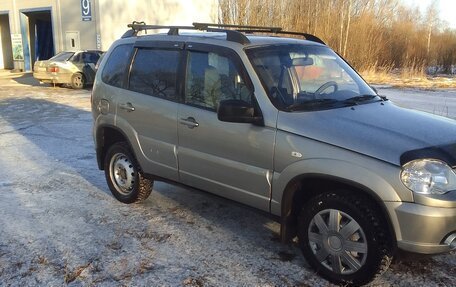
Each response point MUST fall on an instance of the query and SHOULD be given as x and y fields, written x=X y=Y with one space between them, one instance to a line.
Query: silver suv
x=283 y=125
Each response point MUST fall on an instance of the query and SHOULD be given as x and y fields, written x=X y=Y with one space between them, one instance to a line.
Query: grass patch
x=414 y=77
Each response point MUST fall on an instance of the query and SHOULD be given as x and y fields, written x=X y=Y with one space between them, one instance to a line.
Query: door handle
x=190 y=122
x=128 y=107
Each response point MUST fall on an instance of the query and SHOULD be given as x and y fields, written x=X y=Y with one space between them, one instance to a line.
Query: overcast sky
x=447 y=9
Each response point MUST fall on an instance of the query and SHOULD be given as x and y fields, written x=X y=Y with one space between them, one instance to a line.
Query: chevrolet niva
x=283 y=125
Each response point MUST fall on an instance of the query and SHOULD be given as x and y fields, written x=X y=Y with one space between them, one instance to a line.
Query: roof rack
x=141 y=26
x=234 y=35
x=258 y=29
x=205 y=26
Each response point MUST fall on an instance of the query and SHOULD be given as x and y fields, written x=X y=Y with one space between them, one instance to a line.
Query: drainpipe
x=95 y=6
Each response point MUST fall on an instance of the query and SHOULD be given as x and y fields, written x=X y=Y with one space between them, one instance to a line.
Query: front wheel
x=344 y=238
x=123 y=175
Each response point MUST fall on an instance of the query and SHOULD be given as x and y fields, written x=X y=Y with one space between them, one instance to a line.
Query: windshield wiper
x=310 y=104
x=359 y=99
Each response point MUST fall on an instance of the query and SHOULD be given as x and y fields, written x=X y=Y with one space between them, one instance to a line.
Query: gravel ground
x=59 y=224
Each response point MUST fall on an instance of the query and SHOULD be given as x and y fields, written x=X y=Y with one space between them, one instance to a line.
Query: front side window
x=212 y=77
x=115 y=67
x=301 y=77
x=90 y=57
x=154 y=73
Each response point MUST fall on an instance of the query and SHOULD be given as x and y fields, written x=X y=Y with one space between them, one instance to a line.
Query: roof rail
x=308 y=37
x=205 y=26
x=141 y=26
x=234 y=35
x=231 y=35
x=258 y=29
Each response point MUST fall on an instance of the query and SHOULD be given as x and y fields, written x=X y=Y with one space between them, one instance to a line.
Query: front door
x=233 y=160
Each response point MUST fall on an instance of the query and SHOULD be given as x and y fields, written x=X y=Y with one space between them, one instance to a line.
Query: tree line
x=370 y=34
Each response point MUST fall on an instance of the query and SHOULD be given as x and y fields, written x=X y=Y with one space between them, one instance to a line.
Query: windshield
x=300 y=77
x=62 y=56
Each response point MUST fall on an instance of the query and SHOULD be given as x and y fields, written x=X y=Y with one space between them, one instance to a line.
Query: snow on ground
x=60 y=225
x=439 y=102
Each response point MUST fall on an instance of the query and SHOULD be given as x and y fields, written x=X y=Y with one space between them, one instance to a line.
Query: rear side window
x=154 y=73
x=63 y=56
x=118 y=61
x=76 y=58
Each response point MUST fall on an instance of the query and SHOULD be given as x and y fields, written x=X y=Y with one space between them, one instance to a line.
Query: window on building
x=211 y=78
x=118 y=62
x=154 y=73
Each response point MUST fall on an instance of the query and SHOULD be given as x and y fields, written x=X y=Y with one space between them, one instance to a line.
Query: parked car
x=97 y=65
x=76 y=69
x=283 y=125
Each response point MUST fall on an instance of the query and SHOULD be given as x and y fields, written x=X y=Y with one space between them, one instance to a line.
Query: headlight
x=428 y=176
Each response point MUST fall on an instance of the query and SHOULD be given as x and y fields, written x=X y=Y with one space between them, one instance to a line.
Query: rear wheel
x=78 y=81
x=123 y=175
x=344 y=238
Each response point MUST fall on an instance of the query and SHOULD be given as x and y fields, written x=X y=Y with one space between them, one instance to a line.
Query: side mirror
x=237 y=111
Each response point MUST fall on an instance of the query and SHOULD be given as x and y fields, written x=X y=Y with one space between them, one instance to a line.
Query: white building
x=31 y=30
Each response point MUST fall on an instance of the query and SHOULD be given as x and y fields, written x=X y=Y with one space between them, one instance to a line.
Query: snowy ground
x=439 y=102
x=60 y=225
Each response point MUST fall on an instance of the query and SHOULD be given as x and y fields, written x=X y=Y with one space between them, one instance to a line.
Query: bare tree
x=432 y=14
x=348 y=26
x=370 y=33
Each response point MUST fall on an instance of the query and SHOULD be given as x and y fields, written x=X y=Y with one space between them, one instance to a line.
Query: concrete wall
x=109 y=18
x=114 y=16
x=65 y=16
x=19 y=22
x=71 y=21
x=6 y=54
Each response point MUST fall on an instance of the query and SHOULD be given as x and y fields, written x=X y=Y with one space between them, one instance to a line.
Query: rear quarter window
x=116 y=66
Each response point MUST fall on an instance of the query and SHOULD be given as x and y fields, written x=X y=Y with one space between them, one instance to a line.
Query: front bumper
x=423 y=229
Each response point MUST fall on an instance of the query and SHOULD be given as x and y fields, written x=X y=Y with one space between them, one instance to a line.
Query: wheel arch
x=303 y=187
x=107 y=135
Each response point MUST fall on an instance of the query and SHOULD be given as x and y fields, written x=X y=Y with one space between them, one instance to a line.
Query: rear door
x=233 y=160
x=151 y=106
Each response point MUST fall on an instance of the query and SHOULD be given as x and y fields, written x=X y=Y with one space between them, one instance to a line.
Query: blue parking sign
x=86 y=10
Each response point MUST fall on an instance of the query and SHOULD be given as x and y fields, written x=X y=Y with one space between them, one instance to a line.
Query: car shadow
x=246 y=225
x=62 y=133
x=45 y=140
x=27 y=79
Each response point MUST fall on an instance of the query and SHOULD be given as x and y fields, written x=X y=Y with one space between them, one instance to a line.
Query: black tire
x=78 y=81
x=369 y=244
x=124 y=176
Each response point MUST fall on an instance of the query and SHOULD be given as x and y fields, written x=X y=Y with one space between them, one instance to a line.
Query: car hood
x=381 y=130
